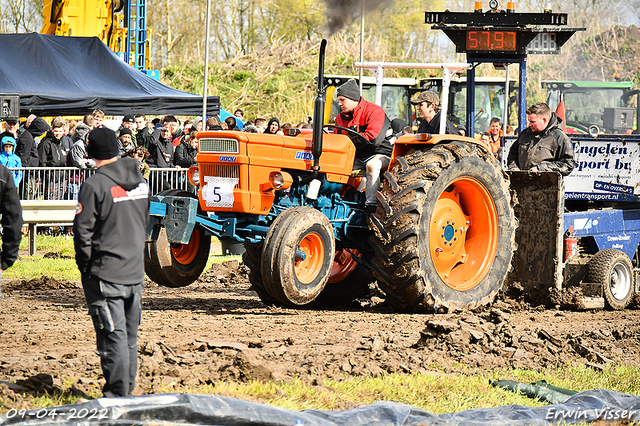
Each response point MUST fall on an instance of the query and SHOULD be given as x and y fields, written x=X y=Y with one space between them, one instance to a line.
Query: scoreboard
x=503 y=35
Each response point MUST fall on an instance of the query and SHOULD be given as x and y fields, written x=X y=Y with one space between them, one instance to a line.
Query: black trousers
x=115 y=310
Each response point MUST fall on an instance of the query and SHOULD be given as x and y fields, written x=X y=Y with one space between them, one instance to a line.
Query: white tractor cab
x=395 y=95
x=489 y=100
x=595 y=107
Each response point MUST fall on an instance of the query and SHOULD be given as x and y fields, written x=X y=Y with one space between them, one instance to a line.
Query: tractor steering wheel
x=341 y=128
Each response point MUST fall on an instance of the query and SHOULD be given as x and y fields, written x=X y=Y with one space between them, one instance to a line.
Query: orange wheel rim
x=309 y=258
x=463 y=234
x=184 y=254
x=343 y=265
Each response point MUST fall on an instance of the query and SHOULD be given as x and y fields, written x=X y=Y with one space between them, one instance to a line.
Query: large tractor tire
x=612 y=269
x=444 y=229
x=177 y=265
x=297 y=256
x=349 y=280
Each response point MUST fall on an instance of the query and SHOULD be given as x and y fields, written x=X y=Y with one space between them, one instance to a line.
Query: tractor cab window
x=489 y=102
x=586 y=108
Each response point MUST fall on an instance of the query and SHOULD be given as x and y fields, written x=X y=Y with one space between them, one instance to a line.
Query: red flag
x=560 y=113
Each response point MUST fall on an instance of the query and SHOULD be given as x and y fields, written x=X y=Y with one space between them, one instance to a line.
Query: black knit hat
x=38 y=127
x=126 y=131
x=350 y=90
x=103 y=144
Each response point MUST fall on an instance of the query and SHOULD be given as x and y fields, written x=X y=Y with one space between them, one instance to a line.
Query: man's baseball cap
x=426 y=96
x=12 y=121
x=129 y=118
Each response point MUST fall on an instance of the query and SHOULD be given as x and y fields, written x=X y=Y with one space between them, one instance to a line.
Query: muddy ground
x=218 y=329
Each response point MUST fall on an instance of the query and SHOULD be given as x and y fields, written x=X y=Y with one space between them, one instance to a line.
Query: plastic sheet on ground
x=187 y=409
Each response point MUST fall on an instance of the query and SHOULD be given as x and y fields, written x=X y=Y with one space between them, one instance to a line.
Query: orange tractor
x=442 y=236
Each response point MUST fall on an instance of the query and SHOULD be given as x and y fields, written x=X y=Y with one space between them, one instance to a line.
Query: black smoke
x=343 y=12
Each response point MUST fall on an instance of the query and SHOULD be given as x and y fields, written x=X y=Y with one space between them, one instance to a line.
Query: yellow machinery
x=120 y=24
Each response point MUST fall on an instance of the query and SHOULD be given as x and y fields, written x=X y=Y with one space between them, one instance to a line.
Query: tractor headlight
x=277 y=180
x=194 y=176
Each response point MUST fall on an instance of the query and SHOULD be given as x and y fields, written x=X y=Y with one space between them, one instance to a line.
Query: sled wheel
x=349 y=280
x=298 y=256
x=251 y=259
x=177 y=265
x=445 y=237
x=612 y=269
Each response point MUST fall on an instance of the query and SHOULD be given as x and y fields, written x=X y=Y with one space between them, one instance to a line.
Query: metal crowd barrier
x=63 y=183
x=49 y=194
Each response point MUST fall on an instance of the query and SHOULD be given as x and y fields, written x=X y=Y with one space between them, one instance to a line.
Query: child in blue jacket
x=9 y=159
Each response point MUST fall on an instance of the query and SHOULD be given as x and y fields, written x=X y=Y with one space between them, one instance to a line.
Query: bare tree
x=18 y=16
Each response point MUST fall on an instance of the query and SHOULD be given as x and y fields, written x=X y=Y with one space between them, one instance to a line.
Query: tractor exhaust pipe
x=318 y=121
x=318 y=110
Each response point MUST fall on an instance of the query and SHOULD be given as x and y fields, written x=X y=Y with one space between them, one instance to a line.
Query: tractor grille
x=223 y=146
x=219 y=170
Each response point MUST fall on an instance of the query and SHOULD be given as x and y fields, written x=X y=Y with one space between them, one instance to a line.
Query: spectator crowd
x=164 y=143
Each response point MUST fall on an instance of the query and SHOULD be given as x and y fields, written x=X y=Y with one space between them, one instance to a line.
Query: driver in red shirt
x=371 y=130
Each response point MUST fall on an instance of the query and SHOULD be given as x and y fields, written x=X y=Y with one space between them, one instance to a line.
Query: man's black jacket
x=111 y=221
x=11 y=218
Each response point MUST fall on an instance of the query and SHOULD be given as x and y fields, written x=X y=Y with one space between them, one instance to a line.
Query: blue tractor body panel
x=344 y=210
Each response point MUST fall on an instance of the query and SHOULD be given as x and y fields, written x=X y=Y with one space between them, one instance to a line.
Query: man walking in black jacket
x=109 y=236
x=11 y=212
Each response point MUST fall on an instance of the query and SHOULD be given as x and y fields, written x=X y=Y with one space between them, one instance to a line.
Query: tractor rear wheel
x=177 y=265
x=297 y=256
x=444 y=229
x=612 y=269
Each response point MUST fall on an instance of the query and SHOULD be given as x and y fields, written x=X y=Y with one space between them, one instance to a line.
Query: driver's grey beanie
x=350 y=90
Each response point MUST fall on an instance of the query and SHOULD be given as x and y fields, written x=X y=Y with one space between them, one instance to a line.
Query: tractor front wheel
x=251 y=259
x=177 y=265
x=297 y=256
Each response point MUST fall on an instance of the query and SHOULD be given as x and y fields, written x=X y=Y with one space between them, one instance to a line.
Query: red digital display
x=501 y=41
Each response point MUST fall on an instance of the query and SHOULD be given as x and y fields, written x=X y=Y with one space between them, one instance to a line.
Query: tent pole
x=206 y=66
